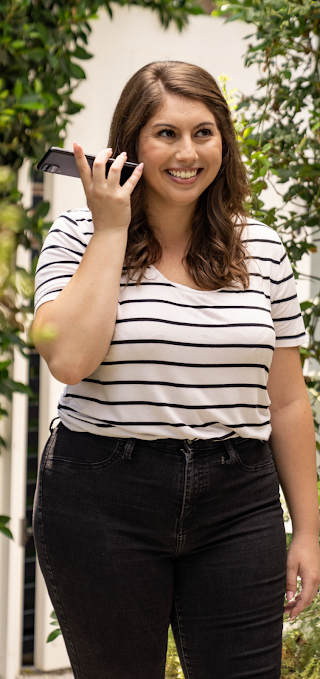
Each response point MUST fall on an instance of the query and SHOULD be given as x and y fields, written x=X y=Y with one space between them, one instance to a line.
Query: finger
x=115 y=171
x=308 y=592
x=83 y=166
x=99 y=166
x=291 y=604
x=291 y=583
x=132 y=182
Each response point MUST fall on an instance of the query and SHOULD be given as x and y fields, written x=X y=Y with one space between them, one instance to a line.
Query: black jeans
x=132 y=535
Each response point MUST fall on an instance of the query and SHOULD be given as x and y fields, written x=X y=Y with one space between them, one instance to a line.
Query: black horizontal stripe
x=48 y=293
x=187 y=365
x=195 y=325
x=261 y=240
x=285 y=299
x=65 y=233
x=192 y=306
x=156 y=404
x=283 y=257
x=108 y=423
x=286 y=318
x=264 y=259
x=221 y=291
x=267 y=278
x=61 y=247
x=174 y=384
x=242 y=292
x=289 y=337
x=64 y=216
x=64 y=261
x=194 y=344
x=130 y=285
x=283 y=280
x=69 y=275
x=84 y=219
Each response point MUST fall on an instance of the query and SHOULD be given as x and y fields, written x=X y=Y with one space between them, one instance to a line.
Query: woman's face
x=181 y=148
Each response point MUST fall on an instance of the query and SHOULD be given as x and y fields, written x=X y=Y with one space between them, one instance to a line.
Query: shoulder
x=262 y=241
x=78 y=221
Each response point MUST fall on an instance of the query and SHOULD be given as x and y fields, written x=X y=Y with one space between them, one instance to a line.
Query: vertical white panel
x=52 y=656
x=17 y=514
x=5 y=480
x=14 y=462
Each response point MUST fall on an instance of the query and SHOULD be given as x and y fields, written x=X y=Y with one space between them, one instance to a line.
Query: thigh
x=111 y=587
x=228 y=592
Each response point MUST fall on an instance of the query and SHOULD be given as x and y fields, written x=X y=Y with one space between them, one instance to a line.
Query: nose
x=186 y=151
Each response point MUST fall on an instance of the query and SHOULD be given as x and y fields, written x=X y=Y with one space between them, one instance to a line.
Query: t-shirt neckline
x=179 y=285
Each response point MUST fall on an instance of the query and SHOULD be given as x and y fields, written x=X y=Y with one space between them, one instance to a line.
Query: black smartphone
x=60 y=161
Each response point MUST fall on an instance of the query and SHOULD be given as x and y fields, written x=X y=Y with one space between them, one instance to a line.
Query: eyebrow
x=174 y=127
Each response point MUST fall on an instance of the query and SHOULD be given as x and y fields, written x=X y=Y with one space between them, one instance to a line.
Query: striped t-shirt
x=182 y=363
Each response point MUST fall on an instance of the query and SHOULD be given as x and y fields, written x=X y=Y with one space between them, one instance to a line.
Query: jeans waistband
x=196 y=444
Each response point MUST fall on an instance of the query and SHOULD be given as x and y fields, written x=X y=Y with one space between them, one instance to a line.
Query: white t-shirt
x=182 y=363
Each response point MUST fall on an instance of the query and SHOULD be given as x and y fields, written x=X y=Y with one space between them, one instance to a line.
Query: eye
x=166 y=133
x=205 y=132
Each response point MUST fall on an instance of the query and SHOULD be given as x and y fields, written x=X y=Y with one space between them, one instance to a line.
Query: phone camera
x=51 y=168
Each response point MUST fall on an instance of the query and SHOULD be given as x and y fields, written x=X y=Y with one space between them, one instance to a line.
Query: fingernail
x=140 y=167
x=109 y=148
x=124 y=153
x=75 y=146
x=289 y=596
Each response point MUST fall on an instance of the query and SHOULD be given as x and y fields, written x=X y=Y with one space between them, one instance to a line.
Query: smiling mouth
x=184 y=174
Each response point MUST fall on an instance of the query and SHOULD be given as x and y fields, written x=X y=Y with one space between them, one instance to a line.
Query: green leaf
x=41 y=28
x=76 y=71
x=41 y=210
x=18 y=89
x=3 y=528
x=80 y=53
x=17 y=44
x=6 y=532
x=73 y=107
x=53 y=635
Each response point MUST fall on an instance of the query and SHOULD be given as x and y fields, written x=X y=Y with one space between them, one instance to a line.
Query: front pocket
x=255 y=456
x=82 y=451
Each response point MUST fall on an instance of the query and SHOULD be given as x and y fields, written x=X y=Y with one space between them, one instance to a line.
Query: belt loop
x=51 y=423
x=231 y=452
x=129 y=448
x=187 y=450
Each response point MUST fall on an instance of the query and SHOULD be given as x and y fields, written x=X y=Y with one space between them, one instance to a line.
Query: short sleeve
x=285 y=308
x=61 y=254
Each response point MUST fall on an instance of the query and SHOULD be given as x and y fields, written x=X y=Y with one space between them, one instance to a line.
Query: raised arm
x=84 y=312
x=293 y=447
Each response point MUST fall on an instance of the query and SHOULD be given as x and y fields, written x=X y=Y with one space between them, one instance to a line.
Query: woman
x=158 y=497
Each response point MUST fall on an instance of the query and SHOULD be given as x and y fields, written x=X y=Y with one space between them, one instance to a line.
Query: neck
x=172 y=224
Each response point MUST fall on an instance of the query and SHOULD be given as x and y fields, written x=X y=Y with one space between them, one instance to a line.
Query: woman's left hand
x=303 y=560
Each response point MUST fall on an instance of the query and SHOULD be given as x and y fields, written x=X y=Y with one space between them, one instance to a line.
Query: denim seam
x=44 y=546
x=180 y=636
x=88 y=466
x=257 y=468
x=180 y=538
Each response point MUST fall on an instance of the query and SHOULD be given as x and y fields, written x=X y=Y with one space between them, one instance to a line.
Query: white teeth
x=182 y=174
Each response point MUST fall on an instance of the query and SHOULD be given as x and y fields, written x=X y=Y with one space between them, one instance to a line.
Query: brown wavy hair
x=216 y=256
